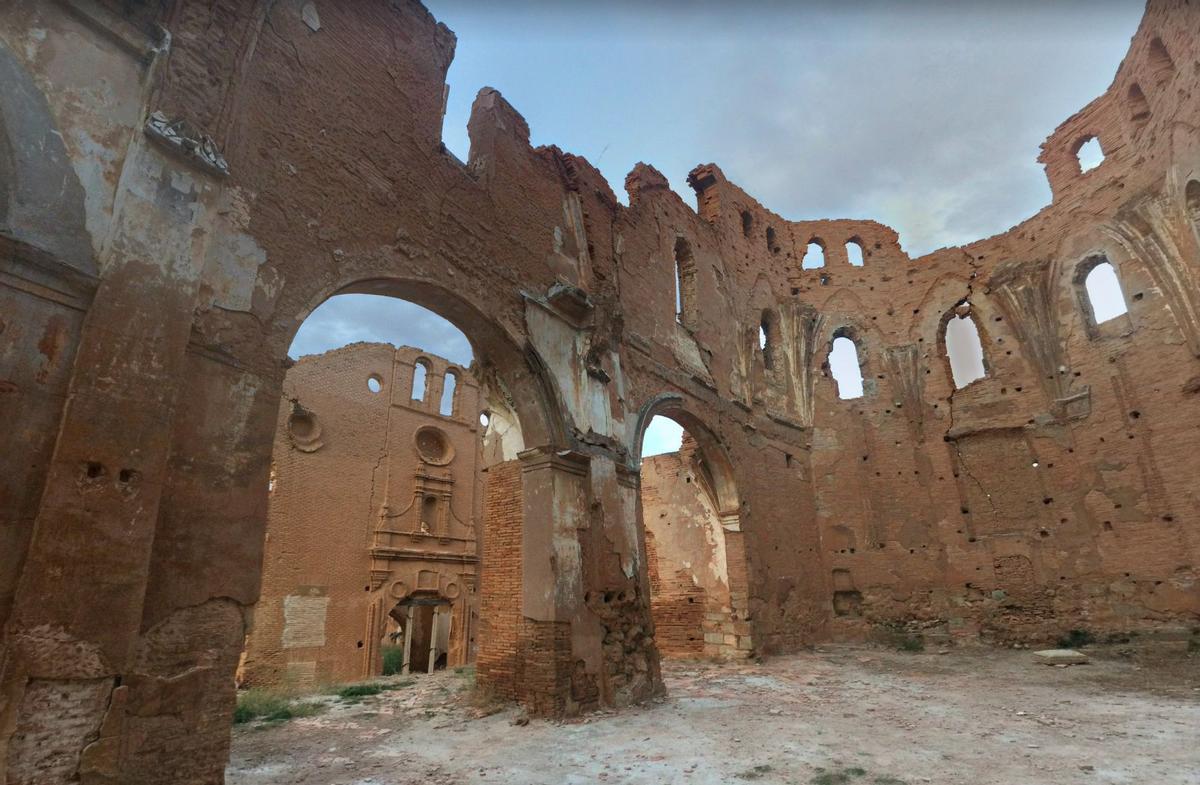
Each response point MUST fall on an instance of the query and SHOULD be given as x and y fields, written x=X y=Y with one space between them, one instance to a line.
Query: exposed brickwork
x=500 y=620
x=157 y=299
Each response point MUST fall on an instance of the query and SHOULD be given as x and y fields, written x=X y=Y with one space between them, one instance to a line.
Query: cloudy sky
x=926 y=116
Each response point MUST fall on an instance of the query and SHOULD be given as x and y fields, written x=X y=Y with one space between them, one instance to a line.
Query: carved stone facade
x=372 y=521
x=148 y=298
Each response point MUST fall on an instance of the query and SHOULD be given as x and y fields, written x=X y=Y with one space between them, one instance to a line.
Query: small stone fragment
x=1060 y=657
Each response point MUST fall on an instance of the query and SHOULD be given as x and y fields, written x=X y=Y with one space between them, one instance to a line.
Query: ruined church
x=183 y=184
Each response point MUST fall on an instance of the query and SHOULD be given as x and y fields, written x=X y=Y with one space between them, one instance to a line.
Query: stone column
x=554 y=495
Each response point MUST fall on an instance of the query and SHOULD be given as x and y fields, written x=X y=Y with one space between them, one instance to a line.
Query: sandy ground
x=837 y=715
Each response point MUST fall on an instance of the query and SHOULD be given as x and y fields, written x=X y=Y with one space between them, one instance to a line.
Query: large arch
x=215 y=500
x=733 y=631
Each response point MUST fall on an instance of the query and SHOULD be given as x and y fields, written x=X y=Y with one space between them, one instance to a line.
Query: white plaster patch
x=304 y=621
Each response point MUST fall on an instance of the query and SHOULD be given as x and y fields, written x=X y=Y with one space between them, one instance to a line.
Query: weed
x=838 y=777
x=356 y=692
x=885 y=779
x=271 y=706
x=1076 y=638
x=911 y=643
x=754 y=772
x=393 y=660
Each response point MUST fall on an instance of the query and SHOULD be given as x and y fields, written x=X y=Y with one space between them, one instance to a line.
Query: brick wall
x=500 y=579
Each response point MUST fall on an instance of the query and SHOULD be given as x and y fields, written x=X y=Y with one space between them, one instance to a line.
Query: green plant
x=911 y=643
x=393 y=660
x=271 y=706
x=1076 y=638
x=838 y=777
x=754 y=772
x=354 y=692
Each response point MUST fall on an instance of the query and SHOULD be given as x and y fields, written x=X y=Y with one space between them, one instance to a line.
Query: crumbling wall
x=685 y=544
x=219 y=193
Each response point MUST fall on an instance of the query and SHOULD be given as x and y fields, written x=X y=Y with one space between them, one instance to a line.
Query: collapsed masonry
x=182 y=184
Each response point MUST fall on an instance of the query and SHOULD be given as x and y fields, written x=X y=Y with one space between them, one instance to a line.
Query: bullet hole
x=1044 y=533
x=1035 y=464
x=1019 y=389
x=970 y=539
x=127 y=476
x=965 y=511
x=865 y=457
x=360 y=644
x=795 y=291
x=1108 y=526
x=94 y=470
x=999 y=318
x=366 y=588
x=1168 y=518
x=1135 y=414
x=1062 y=520
x=1047 y=500
x=1138 y=296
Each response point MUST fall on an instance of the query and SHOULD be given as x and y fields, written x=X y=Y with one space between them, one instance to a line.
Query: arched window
x=1191 y=196
x=1104 y=296
x=854 y=252
x=772 y=245
x=814 y=255
x=1139 y=107
x=766 y=329
x=420 y=371
x=963 y=347
x=449 y=387
x=685 y=284
x=1159 y=60
x=747 y=223
x=1089 y=153
x=843 y=365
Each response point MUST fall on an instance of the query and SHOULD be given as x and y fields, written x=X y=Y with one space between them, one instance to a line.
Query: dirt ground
x=837 y=715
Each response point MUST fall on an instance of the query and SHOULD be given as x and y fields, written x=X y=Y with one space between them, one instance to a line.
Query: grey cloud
x=364 y=317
